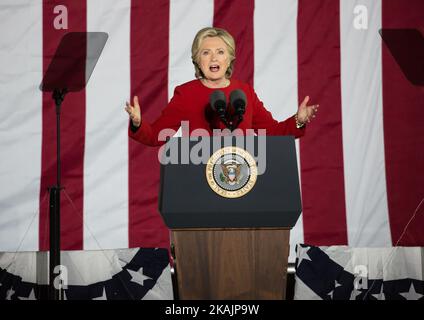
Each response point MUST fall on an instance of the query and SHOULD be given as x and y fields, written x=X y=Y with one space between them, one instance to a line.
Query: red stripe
x=149 y=80
x=321 y=151
x=237 y=18
x=72 y=136
x=403 y=112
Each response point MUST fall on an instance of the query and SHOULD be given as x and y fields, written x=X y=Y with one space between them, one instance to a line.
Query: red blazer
x=191 y=103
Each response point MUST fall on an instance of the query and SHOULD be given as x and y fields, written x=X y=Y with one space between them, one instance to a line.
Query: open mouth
x=214 y=68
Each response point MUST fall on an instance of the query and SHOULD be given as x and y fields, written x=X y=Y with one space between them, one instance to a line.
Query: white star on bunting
x=102 y=297
x=30 y=297
x=138 y=276
x=380 y=296
x=9 y=294
x=354 y=294
x=303 y=256
x=411 y=294
x=331 y=293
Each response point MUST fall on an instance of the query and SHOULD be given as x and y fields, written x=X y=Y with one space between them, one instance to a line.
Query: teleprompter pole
x=55 y=291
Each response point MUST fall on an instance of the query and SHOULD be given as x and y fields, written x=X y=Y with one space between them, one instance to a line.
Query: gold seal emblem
x=231 y=172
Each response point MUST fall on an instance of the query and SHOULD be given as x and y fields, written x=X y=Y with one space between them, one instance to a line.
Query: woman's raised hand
x=306 y=113
x=134 y=112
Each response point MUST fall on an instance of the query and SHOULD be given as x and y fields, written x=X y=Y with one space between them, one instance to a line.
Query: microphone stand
x=236 y=123
x=224 y=120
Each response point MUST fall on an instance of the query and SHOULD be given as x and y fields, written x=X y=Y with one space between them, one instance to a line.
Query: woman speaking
x=213 y=56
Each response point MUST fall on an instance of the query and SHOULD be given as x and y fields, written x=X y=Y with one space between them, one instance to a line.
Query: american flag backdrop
x=361 y=162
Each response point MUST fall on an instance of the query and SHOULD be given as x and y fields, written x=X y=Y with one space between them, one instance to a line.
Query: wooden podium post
x=231 y=264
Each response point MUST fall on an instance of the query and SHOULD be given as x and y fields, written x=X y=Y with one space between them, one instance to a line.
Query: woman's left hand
x=306 y=113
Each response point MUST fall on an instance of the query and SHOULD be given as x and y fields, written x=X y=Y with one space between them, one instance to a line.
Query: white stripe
x=275 y=28
x=106 y=136
x=21 y=68
x=186 y=18
x=363 y=139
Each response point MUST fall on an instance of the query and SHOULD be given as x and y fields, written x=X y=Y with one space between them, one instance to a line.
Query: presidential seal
x=231 y=172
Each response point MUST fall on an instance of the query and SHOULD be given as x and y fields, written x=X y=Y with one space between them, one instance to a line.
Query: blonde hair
x=213 y=32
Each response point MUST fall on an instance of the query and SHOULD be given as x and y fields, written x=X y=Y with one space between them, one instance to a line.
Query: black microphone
x=218 y=102
x=239 y=101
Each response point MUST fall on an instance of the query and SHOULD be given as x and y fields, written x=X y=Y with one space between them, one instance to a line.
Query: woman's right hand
x=134 y=112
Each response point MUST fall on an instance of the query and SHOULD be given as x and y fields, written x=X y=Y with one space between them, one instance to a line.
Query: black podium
x=230 y=248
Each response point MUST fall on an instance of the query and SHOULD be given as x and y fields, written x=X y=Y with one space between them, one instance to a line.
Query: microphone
x=239 y=101
x=218 y=103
